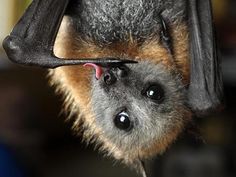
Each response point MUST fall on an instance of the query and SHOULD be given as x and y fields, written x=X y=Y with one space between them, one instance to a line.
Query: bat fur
x=127 y=29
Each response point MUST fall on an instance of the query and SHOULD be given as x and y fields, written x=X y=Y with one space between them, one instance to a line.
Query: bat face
x=139 y=108
x=135 y=110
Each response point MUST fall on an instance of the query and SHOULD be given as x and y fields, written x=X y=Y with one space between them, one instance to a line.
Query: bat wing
x=32 y=39
x=206 y=89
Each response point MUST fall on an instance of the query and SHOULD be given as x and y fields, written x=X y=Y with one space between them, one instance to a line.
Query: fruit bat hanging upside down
x=133 y=71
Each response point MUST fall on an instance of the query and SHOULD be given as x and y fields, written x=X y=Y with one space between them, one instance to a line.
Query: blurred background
x=35 y=141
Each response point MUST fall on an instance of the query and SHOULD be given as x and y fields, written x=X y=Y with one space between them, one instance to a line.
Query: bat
x=133 y=72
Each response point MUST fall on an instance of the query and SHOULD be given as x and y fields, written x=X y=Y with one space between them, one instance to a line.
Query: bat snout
x=112 y=75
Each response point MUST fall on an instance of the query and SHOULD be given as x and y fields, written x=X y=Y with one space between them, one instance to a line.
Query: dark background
x=36 y=141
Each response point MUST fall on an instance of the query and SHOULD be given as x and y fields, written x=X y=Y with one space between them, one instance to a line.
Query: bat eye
x=122 y=121
x=155 y=92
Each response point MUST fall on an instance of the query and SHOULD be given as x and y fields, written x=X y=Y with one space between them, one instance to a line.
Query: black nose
x=111 y=75
x=122 y=71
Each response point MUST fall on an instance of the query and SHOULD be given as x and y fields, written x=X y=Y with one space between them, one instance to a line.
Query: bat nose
x=122 y=71
x=111 y=75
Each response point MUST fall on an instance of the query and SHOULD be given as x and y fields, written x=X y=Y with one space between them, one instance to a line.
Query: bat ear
x=205 y=92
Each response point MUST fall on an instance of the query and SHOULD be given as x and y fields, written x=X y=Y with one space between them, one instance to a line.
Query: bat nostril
x=122 y=71
x=109 y=78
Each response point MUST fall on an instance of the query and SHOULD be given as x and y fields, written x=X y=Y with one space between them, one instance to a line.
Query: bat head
x=140 y=108
x=137 y=110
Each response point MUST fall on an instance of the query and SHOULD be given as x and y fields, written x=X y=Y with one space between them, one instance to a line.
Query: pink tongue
x=97 y=68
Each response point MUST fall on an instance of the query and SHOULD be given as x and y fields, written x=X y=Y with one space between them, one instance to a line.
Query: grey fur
x=106 y=21
x=151 y=121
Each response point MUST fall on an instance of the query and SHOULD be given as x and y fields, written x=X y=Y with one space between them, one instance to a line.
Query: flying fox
x=134 y=72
